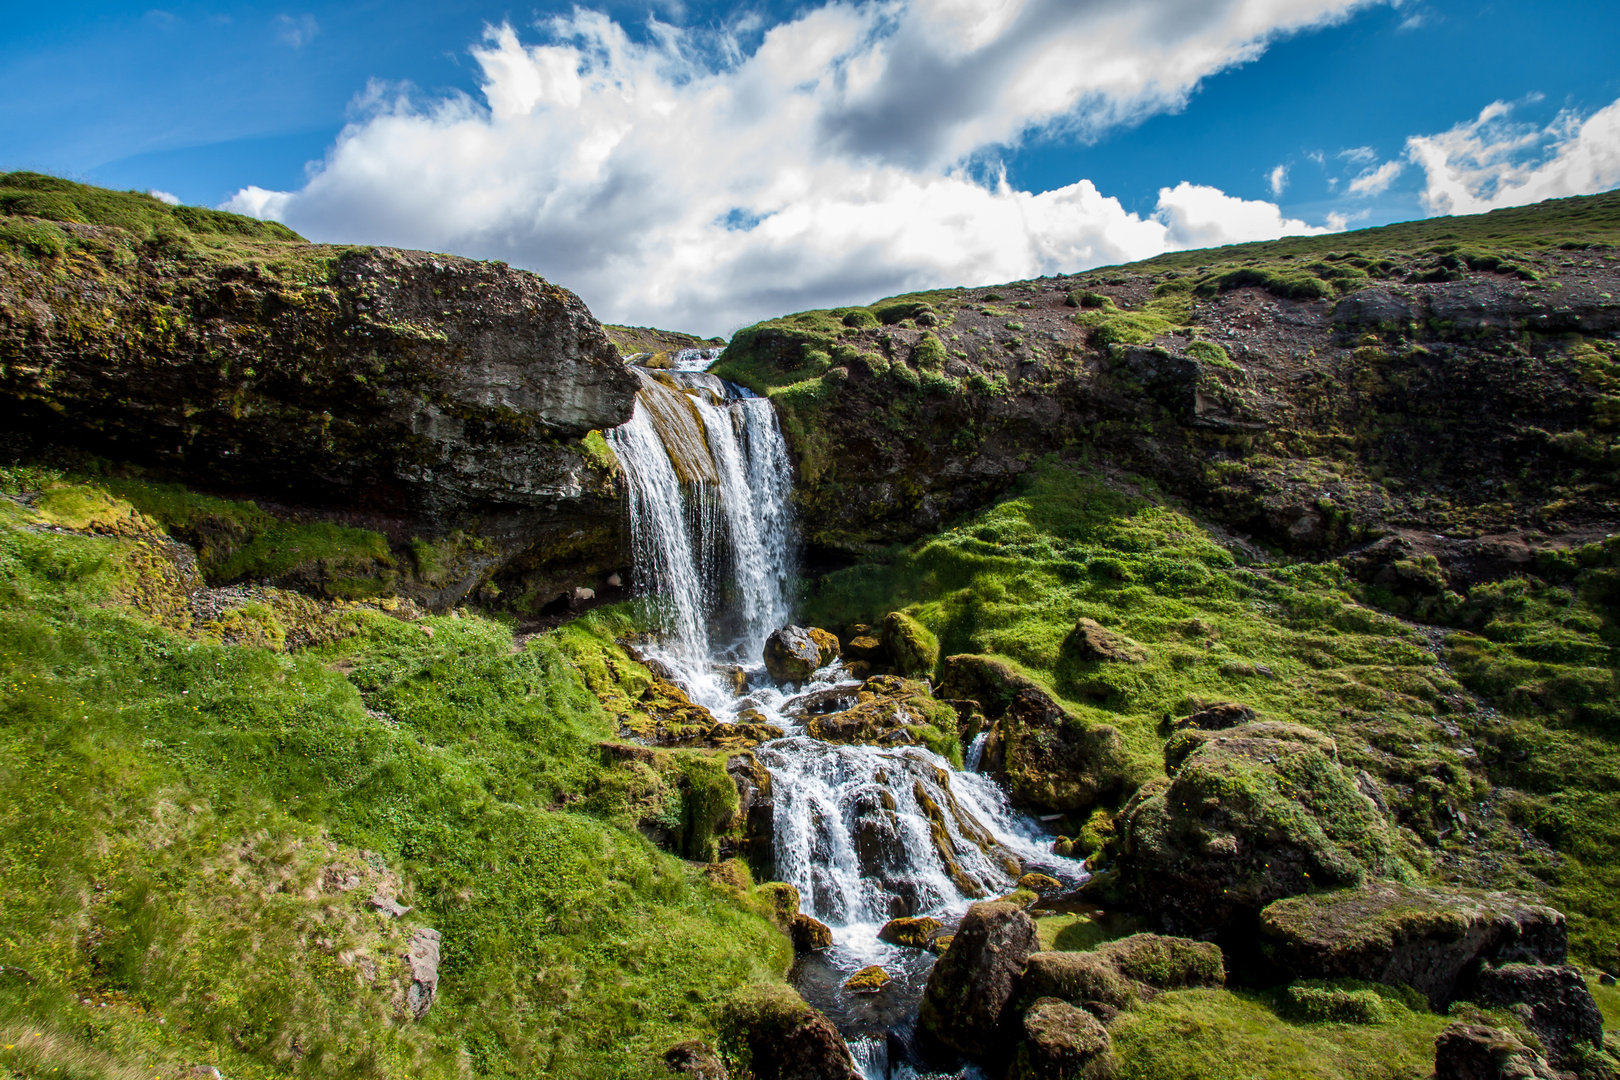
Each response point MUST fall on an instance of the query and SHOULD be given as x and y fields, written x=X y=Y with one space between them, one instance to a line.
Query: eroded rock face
x=1432 y=940
x=967 y=1003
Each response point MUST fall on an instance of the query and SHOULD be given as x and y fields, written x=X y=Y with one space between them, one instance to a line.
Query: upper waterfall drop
x=710 y=489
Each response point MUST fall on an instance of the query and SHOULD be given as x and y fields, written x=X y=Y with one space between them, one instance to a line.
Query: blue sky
x=204 y=100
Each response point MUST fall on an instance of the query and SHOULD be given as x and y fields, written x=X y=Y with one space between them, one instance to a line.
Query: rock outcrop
x=1464 y=1051
x=1553 y=1002
x=1432 y=940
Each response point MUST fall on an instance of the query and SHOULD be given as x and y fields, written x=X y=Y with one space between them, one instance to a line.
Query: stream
x=710 y=500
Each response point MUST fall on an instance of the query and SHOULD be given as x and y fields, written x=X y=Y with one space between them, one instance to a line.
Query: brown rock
x=694 y=1060
x=969 y=995
x=1040 y=883
x=1477 y=1052
x=810 y=934
x=1090 y=640
x=1219 y=717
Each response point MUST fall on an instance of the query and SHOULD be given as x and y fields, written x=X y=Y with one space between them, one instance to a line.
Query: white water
x=710 y=484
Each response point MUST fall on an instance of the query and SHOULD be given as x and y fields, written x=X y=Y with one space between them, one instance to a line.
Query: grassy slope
x=172 y=807
x=1297 y=643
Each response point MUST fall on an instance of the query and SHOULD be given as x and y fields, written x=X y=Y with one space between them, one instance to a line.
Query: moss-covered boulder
x=968 y=1000
x=791 y=654
x=1062 y=1042
x=1181 y=744
x=912 y=647
x=1553 y=1001
x=809 y=933
x=1055 y=761
x=1432 y=940
x=769 y=1033
x=913 y=932
x=869 y=980
x=695 y=1061
x=1090 y=640
x=827 y=647
x=892 y=711
x=1245 y=821
x=1117 y=973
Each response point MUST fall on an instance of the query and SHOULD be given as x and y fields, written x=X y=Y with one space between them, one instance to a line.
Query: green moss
x=171 y=806
x=145 y=217
x=599 y=453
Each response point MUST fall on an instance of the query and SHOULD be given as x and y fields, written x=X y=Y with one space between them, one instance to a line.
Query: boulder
x=1090 y=640
x=891 y=711
x=912 y=649
x=694 y=1060
x=791 y=654
x=1178 y=746
x=827 y=649
x=1219 y=717
x=1054 y=761
x=1553 y=1002
x=967 y=1002
x=868 y=980
x=1062 y=1042
x=809 y=934
x=783 y=900
x=914 y=932
x=1116 y=973
x=1477 y=1052
x=1040 y=883
x=863 y=643
x=769 y=1033
x=1432 y=940
x=1246 y=821
x=988 y=682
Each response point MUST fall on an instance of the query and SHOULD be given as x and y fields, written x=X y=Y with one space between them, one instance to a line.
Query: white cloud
x=1198 y=216
x=296 y=32
x=163 y=196
x=1491 y=162
x=1359 y=155
x=830 y=164
x=1373 y=182
x=1278 y=179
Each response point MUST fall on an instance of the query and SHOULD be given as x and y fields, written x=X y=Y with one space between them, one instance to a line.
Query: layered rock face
x=420 y=393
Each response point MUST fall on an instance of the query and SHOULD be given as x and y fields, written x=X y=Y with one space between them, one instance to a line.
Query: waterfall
x=865 y=833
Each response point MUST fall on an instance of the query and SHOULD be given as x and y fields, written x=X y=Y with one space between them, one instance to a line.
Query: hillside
x=1279 y=583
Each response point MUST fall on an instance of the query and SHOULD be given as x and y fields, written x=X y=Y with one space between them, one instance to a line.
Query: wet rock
x=1553 y=1002
x=422 y=958
x=769 y=1033
x=791 y=654
x=940 y=944
x=868 y=980
x=695 y=1060
x=1062 y=1042
x=914 y=932
x=1040 y=883
x=969 y=995
x=1246 y=821
x=891 y=711
x=756 y=815
x=1478 y=1052
x=1227 y=714
x=912 y=648
x=827 y=648
x=1024 y=898
x=863 y=643
x=1429 y=939
x=1090 y=640
x=810 y=934
x=1055 y=761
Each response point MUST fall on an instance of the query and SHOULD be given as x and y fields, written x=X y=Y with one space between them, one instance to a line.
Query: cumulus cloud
x=834 y=162
x=1278 y=179
x=1376 y=181
x=1491 y=162
x=163 y=196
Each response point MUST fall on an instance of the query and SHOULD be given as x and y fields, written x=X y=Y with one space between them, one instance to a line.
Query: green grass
x=30 y=194
x=1220 y=1034
x=171 y=806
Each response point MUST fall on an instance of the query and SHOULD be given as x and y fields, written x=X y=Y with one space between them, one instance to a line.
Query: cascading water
x=865 y=833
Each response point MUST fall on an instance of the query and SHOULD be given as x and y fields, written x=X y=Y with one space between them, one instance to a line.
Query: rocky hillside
x=451 y=406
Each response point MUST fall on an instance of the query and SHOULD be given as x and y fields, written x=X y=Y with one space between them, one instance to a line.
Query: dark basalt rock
x=1479 y=1052
x=1432 y=940
x=1055 y=761
x=967 y=1003
x=1554 y=1003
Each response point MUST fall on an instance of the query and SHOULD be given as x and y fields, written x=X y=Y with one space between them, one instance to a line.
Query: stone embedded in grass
x=1218 y=717
x=1180 y=746
x=868 y=980
x=914 y=932
x=1090 y=640
x=1466 y=1051
x=695 y=1061
x=422 y=958
x=971 y=987
x=1428 y=939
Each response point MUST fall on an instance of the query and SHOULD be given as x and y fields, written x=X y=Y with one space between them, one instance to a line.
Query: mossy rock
x=1090 y=640
x=769 y=1033
x=1179 y=746
x=869 y=980
x=827 y=646
x=1427 y=938
x=1062 y=1042
x=913 y=932
x=911 y=646
x=1053 y=760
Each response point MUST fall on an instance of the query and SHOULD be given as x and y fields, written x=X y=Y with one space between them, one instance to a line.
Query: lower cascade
x=866 y=833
